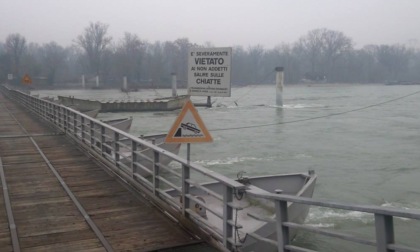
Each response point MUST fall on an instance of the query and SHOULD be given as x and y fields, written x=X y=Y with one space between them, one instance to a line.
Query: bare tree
x=170 y=51
x=394 y=59
x=94 y=41
x=130 y=55
x=155 y=63
x=256 y=54
x=15 y=47
x=322 y=48
x=5 y=62
x=182 y=46
x=310 y=48
x=283 y=55
x=30 y=62
x=335 y=45
x=53 y=57
x=239 y=67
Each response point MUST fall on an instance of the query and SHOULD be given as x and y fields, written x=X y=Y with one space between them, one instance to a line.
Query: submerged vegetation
x=322 y=55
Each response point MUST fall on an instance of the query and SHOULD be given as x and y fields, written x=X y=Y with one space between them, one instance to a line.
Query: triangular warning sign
x=188 y=127
x=26 y=79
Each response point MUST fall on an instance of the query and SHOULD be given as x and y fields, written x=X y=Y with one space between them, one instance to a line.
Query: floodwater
x=363 y=141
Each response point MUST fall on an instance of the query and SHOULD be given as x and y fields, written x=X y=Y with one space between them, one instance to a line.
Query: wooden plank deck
x=45 y=216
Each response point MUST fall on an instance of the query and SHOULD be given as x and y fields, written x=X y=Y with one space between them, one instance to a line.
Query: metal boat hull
x=298 y=184
x=121 y=124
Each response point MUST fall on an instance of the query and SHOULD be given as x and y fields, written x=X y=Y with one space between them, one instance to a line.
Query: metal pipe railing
x=384 y=225
x=92 y=134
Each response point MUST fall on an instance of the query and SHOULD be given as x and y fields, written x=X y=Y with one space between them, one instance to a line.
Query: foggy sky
x=221 y=22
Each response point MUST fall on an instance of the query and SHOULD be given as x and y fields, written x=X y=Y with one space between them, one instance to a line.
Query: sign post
x=188 y=128
x=209 y=71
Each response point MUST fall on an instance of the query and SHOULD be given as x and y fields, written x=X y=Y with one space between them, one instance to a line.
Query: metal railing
x=155 y=171
x=383 y=217
x=152 y=170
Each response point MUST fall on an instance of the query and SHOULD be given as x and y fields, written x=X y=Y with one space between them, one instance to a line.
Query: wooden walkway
x=61 y=200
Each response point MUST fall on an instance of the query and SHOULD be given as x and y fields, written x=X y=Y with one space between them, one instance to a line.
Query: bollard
x=173 y=84
x=279 y=86
x=125 y=83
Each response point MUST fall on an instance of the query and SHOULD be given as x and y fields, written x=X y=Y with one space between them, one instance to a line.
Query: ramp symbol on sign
x=188 y=127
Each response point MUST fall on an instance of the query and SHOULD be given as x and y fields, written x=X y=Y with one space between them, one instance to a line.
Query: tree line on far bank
x=321 y=55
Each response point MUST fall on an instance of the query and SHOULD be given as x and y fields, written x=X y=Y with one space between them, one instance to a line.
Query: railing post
x=384 y=226
x=68 y=116
x=82 y=124
x=155 y=172
x=39 y=106
x=185 y=185
x=92 y=134
x=33 y=105
x=53 y=113
x=133 y=157
x=59 y=117
x=40 y=109
x=282 y=232
x=116 y=149
x=65 y=120
x=102 y=140
x=227 y=216
x=43 y=113
x=43 y=109
x=185 y=188
x=38 y=103
x=75 y=124
x=49 y=112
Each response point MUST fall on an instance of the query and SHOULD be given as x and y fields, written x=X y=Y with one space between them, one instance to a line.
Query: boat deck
x=56 y=198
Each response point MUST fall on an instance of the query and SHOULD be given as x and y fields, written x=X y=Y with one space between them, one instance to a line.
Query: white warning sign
x=209 y=71
x=188 y=127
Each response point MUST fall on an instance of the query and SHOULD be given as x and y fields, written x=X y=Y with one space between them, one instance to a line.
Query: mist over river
x=366 y=152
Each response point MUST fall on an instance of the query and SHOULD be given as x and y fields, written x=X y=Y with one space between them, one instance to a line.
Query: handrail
x=128 y=161
x=402 y=213
x=91 y=134
x=384 y=226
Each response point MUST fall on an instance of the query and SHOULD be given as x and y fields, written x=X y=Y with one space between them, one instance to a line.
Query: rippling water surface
x=361 y=140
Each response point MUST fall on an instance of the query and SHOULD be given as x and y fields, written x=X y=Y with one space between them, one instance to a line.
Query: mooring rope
x=255 y=86
x=319 y=117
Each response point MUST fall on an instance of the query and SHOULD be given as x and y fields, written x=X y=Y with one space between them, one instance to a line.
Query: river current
x=363 y=141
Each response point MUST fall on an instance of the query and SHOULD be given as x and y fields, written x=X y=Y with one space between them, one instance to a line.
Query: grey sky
x=222 y=22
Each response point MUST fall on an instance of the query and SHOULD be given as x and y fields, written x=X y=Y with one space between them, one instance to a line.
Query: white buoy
x=83 y=82
x=97 y=81
x=279 y=86
x=125 y=83
x=174 y=84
